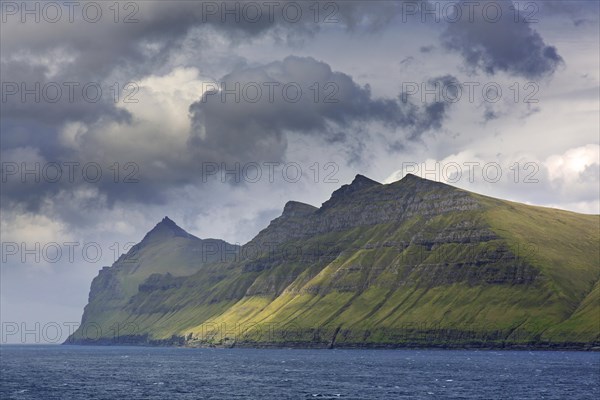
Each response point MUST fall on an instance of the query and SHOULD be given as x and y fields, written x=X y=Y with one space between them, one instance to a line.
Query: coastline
x=509 y=346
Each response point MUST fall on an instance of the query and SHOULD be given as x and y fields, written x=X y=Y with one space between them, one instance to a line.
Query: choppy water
x=80 y=372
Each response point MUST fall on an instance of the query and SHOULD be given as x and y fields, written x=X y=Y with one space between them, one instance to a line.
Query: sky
x=114 y=115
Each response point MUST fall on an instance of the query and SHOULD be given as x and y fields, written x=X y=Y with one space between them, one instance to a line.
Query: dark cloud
x=501 y=44
x=248 y=130
x=28 y=94
x=158 y=27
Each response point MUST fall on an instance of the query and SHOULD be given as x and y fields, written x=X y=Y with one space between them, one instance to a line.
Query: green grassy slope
x=565 y=247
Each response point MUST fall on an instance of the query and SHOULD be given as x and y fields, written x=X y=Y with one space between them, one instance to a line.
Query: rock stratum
x=414 y=263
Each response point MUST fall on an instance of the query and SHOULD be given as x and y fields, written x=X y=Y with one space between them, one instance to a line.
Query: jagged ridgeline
x=412 y=263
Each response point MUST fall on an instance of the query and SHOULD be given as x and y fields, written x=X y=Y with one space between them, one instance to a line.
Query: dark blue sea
x=81 y=372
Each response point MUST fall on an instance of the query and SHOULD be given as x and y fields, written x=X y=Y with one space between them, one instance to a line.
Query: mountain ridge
x=458 y=268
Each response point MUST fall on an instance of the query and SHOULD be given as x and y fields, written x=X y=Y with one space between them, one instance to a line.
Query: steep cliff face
x=414 y=262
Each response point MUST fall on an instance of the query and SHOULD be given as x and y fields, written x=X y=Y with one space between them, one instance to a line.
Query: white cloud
x=159 y=127
x=31 y=228
x=569 y=165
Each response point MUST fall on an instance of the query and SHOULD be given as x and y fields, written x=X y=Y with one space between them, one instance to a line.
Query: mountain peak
x=168 y=221
x=418 y=183
x=415 y=178
x=297 y=209
x=410 y=176
x=362 y=181
x=359 y=183
x=166 y=229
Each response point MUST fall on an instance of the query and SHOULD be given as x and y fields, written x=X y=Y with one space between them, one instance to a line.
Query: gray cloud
x=248 y=130
x=158 y=27
x=28 y=94
x=502 y=45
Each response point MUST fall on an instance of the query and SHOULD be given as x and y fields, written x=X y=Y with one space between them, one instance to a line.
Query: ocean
x=87 y=372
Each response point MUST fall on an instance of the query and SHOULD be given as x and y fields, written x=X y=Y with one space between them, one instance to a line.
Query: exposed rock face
x=345 y=193
x=371 y=203
x=363 y=203
x=105 y=284
x=371 y=261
